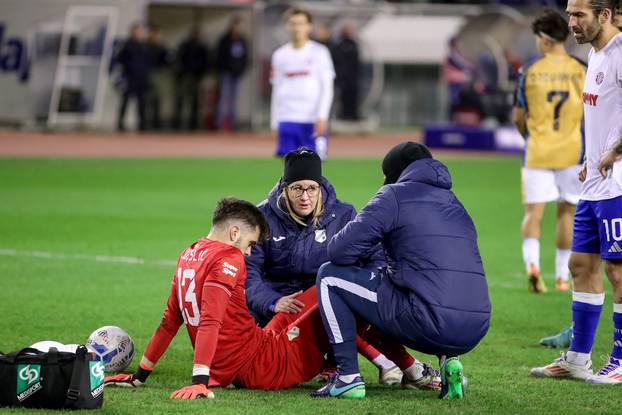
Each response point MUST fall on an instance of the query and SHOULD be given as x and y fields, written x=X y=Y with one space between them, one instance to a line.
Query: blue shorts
x=293 y=135
x=598 y=228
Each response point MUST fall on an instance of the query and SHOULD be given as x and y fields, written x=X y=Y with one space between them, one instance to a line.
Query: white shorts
x=551 y=185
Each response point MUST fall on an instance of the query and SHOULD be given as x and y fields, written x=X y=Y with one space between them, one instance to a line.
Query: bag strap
x=73 y=393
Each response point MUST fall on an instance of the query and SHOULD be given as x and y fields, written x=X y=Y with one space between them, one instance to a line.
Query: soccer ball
x=113 y=346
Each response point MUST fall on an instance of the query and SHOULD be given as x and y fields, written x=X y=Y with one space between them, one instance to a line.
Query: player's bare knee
x=579 y=269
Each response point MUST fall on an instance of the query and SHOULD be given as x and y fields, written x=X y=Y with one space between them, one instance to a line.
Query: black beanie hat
x=399 y=157
x=302 y=164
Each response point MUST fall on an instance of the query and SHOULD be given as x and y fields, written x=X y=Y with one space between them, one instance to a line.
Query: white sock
x=561 y=263
x=588 y=298
x=414 y=371
x=531 y=252
x=577 y=358
x=348 y=378
x=382 y=362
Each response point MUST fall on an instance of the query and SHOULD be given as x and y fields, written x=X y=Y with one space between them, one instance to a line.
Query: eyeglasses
x=298 y=191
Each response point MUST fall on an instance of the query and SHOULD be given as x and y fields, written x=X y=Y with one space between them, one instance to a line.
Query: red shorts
x=292 y=352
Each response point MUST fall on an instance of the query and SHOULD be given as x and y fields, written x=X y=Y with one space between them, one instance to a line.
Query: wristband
x=200 y=380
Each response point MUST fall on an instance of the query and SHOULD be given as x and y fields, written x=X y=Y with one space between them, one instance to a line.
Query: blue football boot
x=335 y=388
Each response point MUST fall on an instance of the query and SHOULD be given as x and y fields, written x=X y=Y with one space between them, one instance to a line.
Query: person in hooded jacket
x=304 y=213
x=433 y=294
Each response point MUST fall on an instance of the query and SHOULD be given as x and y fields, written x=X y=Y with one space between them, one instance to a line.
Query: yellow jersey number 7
x=563 y=96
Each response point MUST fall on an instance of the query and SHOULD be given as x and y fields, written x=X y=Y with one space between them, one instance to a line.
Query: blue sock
x=617 y=332
x=586 y=309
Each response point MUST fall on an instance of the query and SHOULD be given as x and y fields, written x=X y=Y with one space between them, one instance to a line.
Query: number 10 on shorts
x=613 y=229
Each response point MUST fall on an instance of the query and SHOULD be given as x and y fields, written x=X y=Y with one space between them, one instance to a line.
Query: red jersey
x=207 y=294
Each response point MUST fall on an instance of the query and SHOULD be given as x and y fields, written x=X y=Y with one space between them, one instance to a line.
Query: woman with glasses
x=304 y=213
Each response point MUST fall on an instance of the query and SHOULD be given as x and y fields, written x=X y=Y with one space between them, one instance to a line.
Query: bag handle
x=52 y=356
x=73 y=393
x=23 y=352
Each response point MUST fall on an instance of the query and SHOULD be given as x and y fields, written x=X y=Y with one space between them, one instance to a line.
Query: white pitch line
x=82 y=257
x=168 y=263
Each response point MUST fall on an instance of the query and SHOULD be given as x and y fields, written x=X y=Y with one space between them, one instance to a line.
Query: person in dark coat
x=134 y=59
x=300 y=226
x=324 y=35
x=232 y=61
x=191 y=65
x=160 y=58
x=348 y=68
x=432 y=296
x=304 y=213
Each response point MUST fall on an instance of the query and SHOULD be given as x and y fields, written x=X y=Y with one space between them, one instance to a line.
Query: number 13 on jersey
x=187 y=296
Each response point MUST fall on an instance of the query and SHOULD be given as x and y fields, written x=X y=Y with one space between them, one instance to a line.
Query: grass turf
x=153 y=209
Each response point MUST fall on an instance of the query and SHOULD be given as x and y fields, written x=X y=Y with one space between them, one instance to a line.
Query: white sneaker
x=430 y=379
x=561 y=368
x=610 y=374
x=391 y=376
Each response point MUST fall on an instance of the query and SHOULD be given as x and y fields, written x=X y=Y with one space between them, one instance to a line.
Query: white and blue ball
x=112 y=346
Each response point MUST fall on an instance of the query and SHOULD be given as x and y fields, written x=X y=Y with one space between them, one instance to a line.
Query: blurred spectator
x=487 y=73
x=347 y=68
x=135 y=65
x=459 y=74
x=232 y=61
x=191 y=64
x=159 y=59
x=324 y=35
x=468 y=109
x=514 y=64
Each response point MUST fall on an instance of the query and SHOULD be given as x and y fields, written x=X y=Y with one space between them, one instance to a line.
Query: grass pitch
x=64 y=223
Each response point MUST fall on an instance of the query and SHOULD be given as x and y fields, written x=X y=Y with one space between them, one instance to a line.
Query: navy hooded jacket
x=432 y=253
x=288 y=262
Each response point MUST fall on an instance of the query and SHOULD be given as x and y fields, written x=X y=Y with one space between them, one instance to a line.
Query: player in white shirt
x=302 y=88
x=597 y=233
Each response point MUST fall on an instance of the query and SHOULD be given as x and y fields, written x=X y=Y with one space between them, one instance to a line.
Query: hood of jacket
x=427 y=171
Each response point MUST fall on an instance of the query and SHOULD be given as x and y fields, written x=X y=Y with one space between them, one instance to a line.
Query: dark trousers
x=348 y=294
x=228 y=101
x=345 y=293
x=153 y=111
x=187 y=90
x=140 y=95
x=349 y=95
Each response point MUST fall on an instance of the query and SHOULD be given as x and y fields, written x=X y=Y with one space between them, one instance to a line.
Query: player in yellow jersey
x=548 y=112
